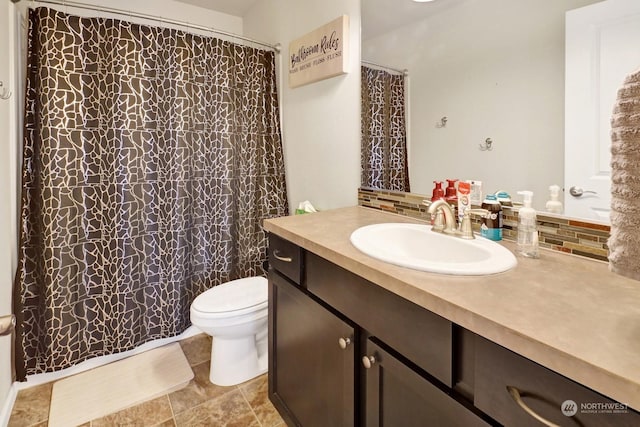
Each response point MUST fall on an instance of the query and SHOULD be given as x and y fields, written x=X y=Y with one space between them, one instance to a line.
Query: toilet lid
x=231 y=296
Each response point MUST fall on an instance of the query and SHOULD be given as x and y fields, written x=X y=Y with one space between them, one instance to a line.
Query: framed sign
x=320 y=54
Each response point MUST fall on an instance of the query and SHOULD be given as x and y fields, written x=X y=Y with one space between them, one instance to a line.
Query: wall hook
x=4 y=93
x=442 y=123
x=487 y=145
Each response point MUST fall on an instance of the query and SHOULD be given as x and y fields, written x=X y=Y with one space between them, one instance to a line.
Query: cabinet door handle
x=344 y=342
x=368 y=361
x=515 y=395
x=281 y=258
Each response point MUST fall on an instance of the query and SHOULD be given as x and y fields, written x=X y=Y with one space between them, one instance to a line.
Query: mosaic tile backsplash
x=577 y=237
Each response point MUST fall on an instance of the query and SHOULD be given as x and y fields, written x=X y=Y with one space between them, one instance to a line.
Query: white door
x=602 y=48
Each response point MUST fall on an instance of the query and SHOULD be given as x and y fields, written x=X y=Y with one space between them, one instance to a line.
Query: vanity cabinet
x=344 y=351
x=311 y=359
x=324 y=322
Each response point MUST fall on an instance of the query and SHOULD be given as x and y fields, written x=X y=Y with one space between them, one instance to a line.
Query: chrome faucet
x=442 y=207
x=445 y=220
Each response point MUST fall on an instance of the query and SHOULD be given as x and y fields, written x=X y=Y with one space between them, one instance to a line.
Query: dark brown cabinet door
x=397 y=396
x=311 y=375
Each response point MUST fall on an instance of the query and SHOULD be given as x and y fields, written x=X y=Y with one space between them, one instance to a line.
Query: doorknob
x=7 y=323
x=578 y=191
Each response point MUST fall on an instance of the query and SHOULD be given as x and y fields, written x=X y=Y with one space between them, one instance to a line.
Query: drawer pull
x=282 y=258
x=368 y=361
x=344 y=342
x=515 y=395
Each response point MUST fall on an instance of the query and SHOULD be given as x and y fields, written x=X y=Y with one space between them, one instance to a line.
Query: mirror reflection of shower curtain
x=151 y=157
x=384 y=141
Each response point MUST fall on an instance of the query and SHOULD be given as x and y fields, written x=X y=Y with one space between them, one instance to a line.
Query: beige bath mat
x=118 y=385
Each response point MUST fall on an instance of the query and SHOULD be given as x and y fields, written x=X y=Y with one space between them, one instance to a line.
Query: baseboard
x=7 y=406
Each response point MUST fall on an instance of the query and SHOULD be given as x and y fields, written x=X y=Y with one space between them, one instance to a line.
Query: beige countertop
x=567 y=313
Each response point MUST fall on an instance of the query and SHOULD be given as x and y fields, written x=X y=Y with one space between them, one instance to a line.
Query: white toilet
x=235 y=315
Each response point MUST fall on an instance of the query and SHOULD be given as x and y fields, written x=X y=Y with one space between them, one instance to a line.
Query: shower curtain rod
x=404 y=72
x=275 y=48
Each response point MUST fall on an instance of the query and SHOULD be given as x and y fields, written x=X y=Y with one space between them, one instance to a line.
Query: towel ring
x=4 y=93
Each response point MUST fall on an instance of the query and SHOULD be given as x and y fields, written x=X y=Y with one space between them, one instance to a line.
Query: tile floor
x=200 y=403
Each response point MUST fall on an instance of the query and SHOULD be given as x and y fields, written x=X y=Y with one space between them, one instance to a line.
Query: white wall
x=321 y=131
x=495 y=69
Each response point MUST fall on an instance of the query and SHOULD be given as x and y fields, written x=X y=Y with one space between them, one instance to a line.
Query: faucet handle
x=476 y=211
x=438 y=221
x=466 y=229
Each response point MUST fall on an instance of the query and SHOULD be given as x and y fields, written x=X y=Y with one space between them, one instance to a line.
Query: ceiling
x=230 y=7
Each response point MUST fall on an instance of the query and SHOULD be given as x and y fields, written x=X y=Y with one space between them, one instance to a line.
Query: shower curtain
x=384 y=141
x=151 y=157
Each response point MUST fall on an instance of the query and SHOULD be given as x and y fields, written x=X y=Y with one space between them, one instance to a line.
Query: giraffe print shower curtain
x=151 y=157
x=384 y=135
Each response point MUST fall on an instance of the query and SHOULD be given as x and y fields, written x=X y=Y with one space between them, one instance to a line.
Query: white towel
x=624 y=242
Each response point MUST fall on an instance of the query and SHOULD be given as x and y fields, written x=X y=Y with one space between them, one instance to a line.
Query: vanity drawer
x=419 y=335
x=285 y=257
x=540 y=389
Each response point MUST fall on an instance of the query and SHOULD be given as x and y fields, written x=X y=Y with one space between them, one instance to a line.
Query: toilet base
x=236 y=360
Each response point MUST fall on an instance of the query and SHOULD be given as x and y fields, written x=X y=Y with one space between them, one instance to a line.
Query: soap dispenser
x=450 y=194
x=527 y=228
x=438 y=192
x=553 y=204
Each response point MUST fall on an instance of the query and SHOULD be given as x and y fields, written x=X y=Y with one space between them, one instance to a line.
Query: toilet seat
x=234 y=298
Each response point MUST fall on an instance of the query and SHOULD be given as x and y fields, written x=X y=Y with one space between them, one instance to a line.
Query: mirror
x=495 y=69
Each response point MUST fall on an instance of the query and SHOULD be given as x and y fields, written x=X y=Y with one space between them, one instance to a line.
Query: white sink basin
x=416 y=246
